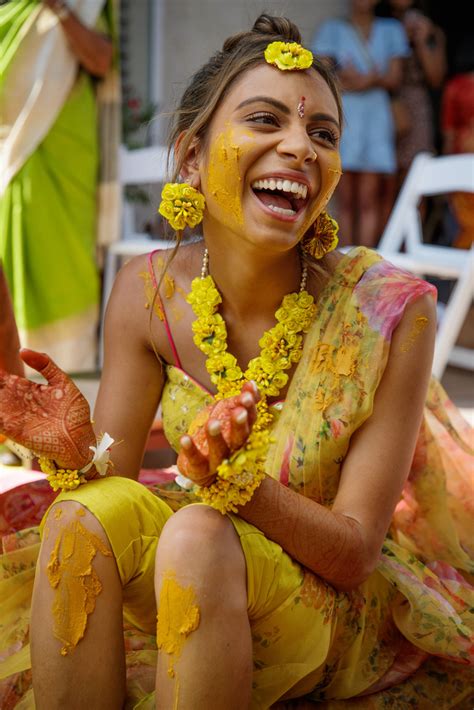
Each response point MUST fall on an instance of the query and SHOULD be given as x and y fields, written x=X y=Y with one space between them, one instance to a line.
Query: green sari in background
x=48 y=210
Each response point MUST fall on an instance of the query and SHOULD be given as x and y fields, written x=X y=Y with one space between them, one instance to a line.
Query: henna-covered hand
x=52 y=419
x=215 y=433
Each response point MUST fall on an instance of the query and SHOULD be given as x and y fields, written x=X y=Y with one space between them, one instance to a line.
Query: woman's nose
x=298 y=145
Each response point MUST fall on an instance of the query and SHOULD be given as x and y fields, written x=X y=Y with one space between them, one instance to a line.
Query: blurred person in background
x=424 y=71
x=51 y=56
x=367 y=53
x=457 y=124
x=10 y=360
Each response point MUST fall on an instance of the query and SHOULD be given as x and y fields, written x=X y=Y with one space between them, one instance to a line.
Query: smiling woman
x=312 y=541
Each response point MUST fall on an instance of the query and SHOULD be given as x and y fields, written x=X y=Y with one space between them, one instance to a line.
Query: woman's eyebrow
x=265 y=100
x=284 y=108
x=323 y=117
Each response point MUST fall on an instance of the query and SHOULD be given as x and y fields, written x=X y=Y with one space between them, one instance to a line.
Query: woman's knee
x=67 y=513
x=68 y=529
x=200 y=535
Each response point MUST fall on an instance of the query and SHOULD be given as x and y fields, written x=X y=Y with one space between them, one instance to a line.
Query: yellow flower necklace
x=281 y=346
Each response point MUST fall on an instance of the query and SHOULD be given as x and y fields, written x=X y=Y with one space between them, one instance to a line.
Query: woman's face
x=363 y=5
x=400 y=6
x=266 y=170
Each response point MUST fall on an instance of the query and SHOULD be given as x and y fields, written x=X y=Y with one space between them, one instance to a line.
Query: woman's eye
x=263 y=118
x=325 y=134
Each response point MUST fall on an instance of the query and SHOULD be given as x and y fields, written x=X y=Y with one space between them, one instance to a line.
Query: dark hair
x=210 y=84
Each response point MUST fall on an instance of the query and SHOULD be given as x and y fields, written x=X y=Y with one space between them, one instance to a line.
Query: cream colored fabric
x=37 y=85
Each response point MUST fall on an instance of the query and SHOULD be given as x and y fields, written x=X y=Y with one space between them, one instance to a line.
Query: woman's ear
x=191 y=163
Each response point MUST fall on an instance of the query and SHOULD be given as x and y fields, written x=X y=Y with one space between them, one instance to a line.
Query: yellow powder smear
x=169 y=286
x=417 y=328
x=178 y=616
x=224 y=175
x=57 y=513
x=177 y=314
x=80 y=512
x=330 y=175
x=75 y=582
x=150 y=294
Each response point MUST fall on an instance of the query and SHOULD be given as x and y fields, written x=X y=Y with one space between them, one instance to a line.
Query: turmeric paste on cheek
x=178 y=616
x=330 y=176
x=76 y=584
x=224 y=179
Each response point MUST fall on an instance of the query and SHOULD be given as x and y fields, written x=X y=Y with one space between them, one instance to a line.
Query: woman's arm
x=392 y=78
x=429 y=45
x=132 y=378
x=353 y=80
x=93 y=50
x=343 y=545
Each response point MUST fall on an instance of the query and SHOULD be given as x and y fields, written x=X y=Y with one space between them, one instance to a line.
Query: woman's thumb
x=43 y=364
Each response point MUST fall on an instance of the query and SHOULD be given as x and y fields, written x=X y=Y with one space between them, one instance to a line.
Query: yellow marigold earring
x=182 y=205
x=324 y=238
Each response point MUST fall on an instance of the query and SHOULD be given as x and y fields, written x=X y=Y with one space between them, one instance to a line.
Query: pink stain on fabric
x=383 y=293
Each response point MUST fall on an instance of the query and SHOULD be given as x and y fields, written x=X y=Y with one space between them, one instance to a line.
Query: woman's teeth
x=281 y=210
x=296 y=188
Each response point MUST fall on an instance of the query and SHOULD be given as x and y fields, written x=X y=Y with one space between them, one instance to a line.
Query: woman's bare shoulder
x=137 y=306
x=146 y=271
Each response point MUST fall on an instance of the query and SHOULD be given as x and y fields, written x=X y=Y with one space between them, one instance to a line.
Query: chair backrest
x=139 y=167
x=143 y=165
x=428 y=175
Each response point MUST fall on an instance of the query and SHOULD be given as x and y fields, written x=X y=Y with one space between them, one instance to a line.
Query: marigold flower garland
x=281 y=346
x=68 y=479
x=64 y=479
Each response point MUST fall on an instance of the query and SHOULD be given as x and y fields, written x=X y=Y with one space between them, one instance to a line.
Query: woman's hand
x=353 y=80
x=215 y=433
x=93 y=50
x=53 y=419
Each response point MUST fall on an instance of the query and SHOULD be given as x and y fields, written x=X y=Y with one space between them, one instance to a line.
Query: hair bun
x=277 y=27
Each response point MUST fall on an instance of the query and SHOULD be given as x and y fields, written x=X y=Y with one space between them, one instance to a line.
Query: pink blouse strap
x=151 y=270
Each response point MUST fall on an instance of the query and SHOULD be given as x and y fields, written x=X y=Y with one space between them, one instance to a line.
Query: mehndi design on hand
x=51 y=419
x=217 y=431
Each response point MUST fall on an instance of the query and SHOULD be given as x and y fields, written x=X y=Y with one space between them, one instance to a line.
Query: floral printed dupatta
x=331 y=395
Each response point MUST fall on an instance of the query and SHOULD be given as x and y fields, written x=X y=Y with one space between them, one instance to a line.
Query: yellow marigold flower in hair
x=181 y=205
x=288 y=56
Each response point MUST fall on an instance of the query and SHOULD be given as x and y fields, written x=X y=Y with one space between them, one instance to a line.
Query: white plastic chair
x=428 y=176
x=136 y=167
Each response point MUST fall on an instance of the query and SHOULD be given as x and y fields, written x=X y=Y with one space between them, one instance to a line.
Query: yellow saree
x=404 y=637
